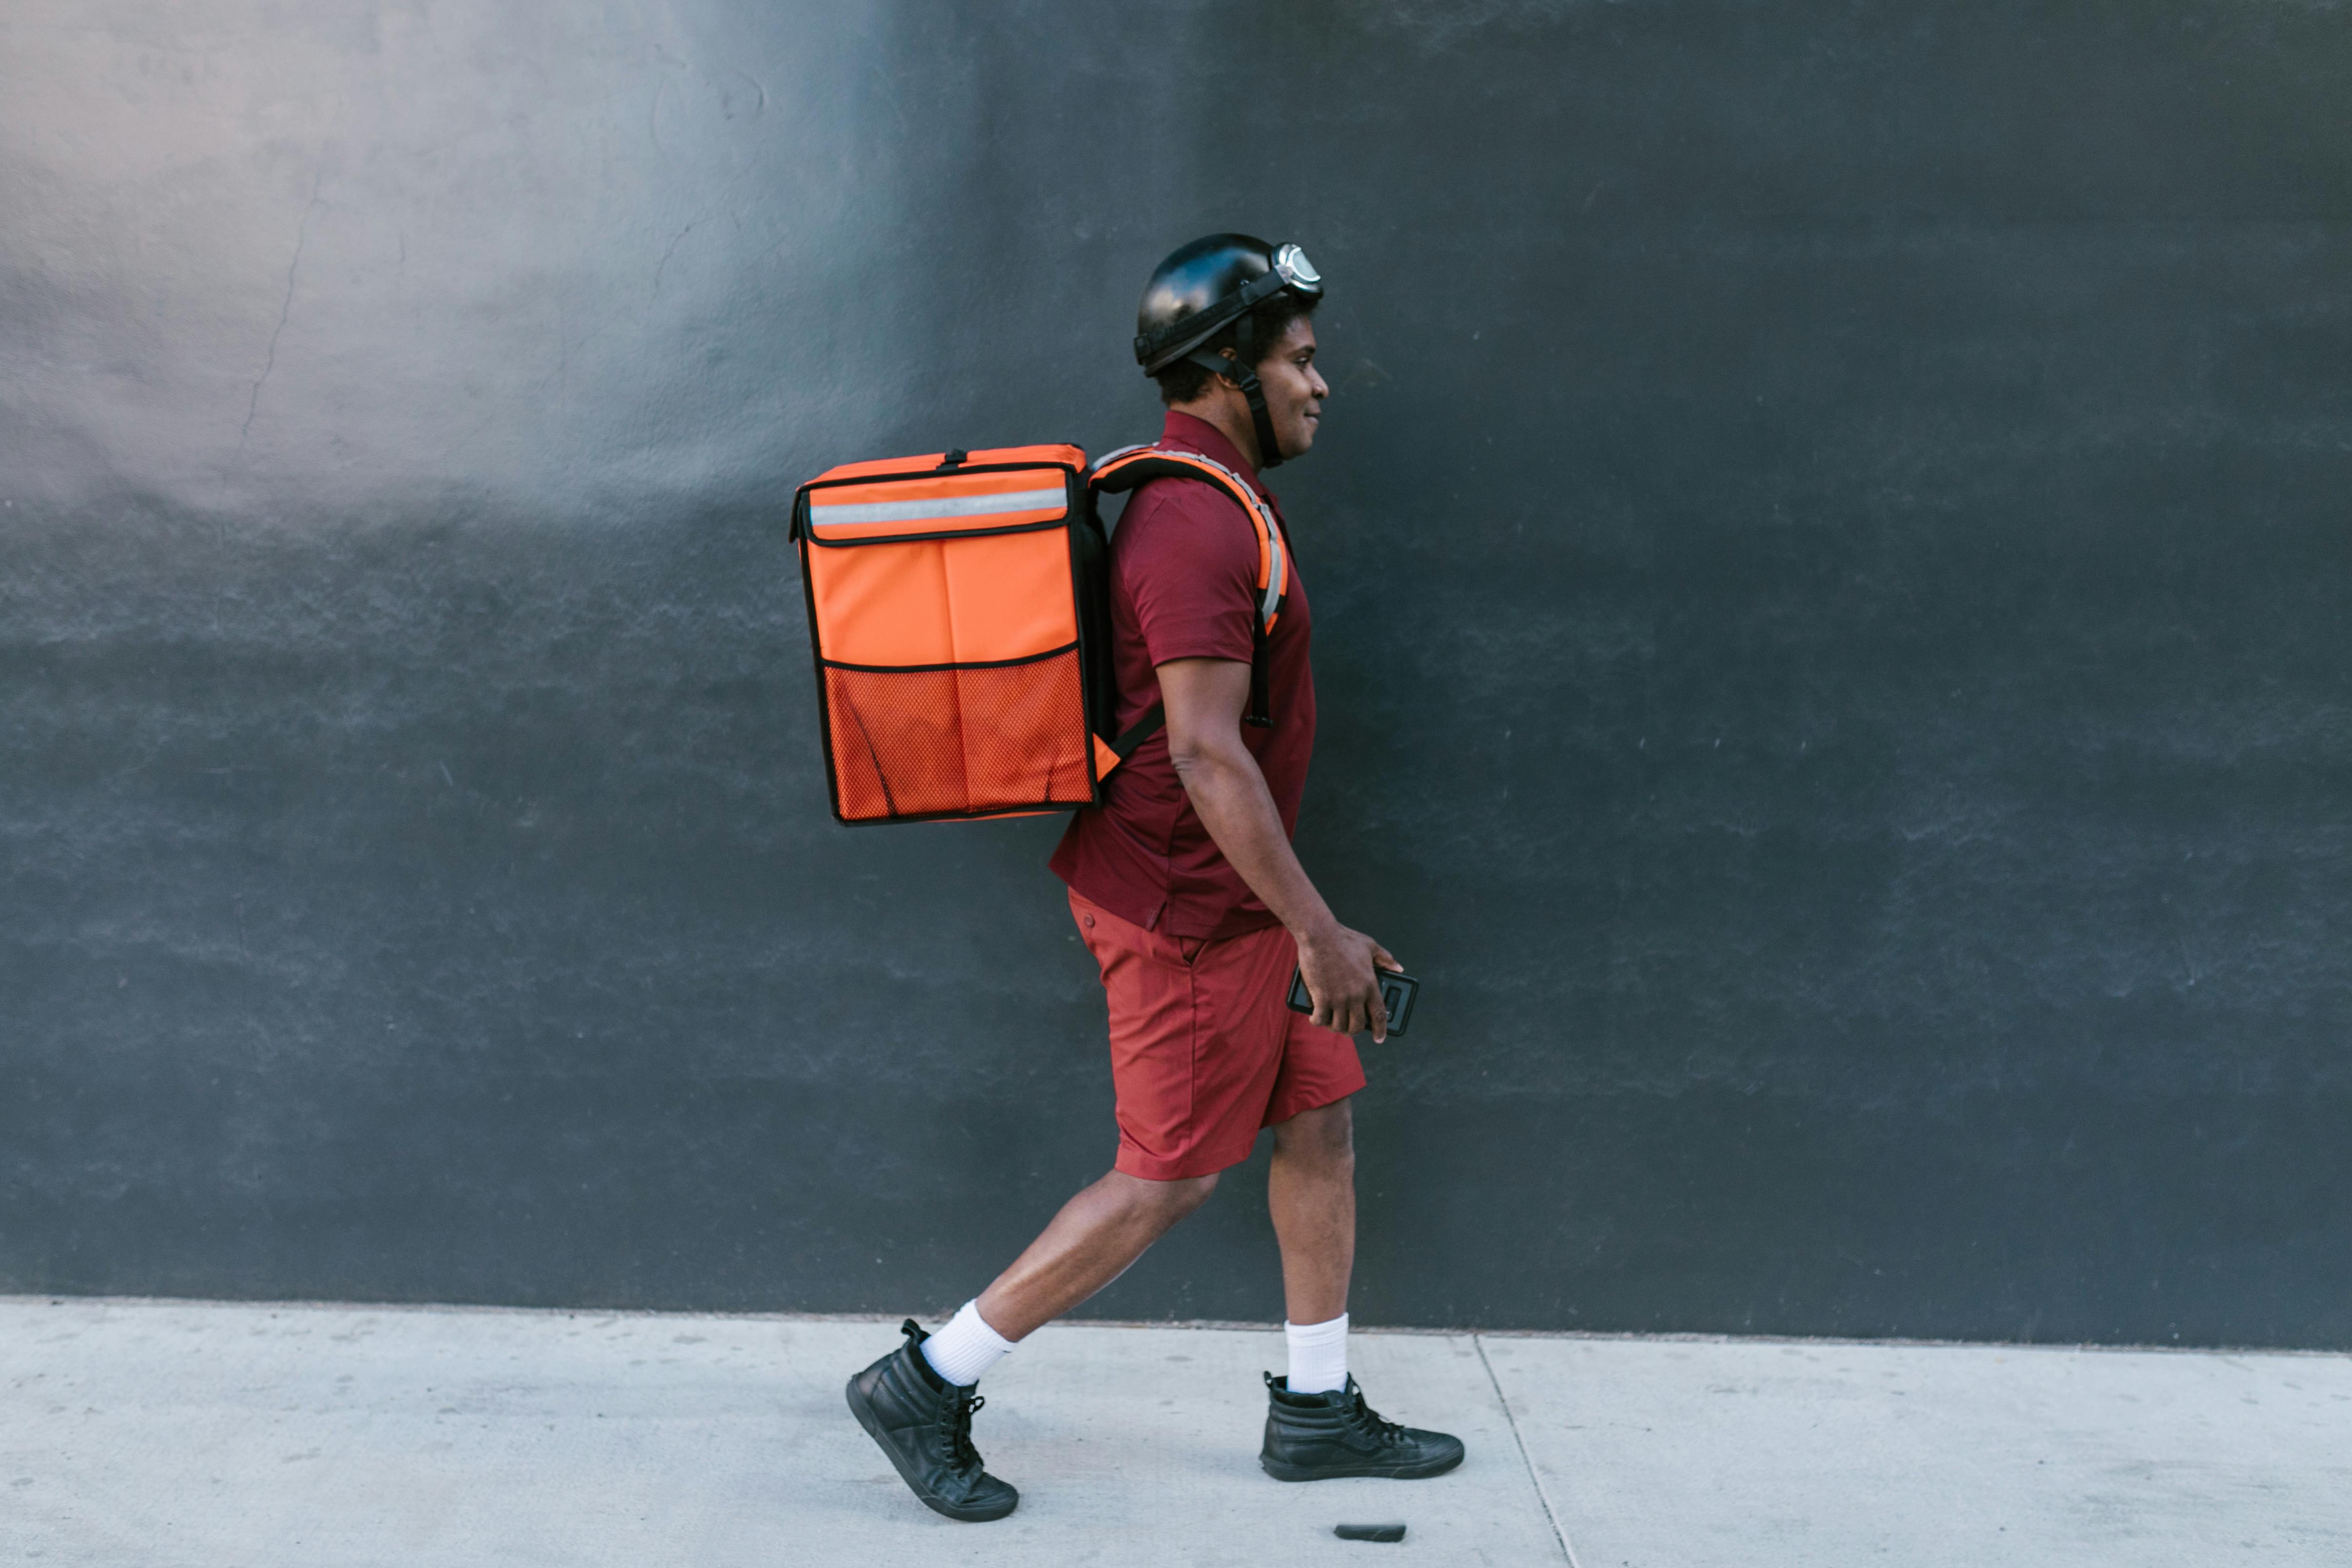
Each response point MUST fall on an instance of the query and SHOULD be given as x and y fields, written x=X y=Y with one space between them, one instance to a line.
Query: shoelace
x=955 y=1428
x=1368 y=1420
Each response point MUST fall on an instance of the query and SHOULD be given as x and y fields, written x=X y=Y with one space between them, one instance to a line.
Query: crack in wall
x=285 y=309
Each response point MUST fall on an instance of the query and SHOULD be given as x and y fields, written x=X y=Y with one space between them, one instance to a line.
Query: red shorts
x=1203 y=1053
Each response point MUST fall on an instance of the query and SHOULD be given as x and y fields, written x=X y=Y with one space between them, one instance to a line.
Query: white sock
x=968 y=1347
x=1318 y=1356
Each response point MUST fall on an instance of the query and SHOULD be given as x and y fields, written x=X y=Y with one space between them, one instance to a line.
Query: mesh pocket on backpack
x=960 y=740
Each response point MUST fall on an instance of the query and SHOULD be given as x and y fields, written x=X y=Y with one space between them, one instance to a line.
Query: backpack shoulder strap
x=1132 y=466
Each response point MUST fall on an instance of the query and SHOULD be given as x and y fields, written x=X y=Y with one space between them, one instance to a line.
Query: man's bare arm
x=1204 y=698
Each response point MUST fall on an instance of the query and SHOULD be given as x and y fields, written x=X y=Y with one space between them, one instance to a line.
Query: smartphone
x=1397 y=993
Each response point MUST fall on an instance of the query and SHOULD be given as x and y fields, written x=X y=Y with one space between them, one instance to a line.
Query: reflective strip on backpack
x=845 y=513
x=1277 y=576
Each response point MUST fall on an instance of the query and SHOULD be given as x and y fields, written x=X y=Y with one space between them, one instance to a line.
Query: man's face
x=1293 y=391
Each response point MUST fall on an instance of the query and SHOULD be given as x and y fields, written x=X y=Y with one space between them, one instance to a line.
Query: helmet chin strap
x=1241 y=371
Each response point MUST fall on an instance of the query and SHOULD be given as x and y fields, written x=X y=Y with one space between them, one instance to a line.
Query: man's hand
x=1338 y=965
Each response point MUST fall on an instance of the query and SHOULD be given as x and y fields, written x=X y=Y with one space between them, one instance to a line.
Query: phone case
x=1398 y=992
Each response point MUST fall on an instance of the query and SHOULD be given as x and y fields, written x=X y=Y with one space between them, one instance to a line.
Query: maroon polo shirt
x=1183 y=585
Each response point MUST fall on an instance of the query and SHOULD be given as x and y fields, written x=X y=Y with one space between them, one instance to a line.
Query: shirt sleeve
x=1189 y=568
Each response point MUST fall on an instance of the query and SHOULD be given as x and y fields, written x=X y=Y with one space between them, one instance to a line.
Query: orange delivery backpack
x=959 y=619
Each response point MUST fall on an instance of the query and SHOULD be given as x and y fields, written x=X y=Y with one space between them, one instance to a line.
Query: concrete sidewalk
x=154 y=1435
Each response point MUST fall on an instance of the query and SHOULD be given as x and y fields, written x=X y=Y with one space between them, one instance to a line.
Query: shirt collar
x=1188 y=434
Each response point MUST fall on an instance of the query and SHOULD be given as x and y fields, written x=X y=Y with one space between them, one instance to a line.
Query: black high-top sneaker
x=1314 y=1437
x=924 y=1422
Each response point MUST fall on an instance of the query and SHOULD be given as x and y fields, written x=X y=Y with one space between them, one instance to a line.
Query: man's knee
x=1170 y=1201
x=1325 y=1136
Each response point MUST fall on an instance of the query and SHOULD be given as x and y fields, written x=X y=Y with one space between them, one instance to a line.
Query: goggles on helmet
x=1290 y=265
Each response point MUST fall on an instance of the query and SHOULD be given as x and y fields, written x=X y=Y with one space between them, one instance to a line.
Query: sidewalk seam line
x=1550 y=1513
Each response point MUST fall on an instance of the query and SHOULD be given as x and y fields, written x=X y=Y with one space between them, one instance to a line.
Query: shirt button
x=1087 y=921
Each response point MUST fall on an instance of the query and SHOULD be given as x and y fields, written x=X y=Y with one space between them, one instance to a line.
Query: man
x=1186 y=891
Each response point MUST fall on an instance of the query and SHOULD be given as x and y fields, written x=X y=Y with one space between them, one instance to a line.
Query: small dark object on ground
x=1369 y=1531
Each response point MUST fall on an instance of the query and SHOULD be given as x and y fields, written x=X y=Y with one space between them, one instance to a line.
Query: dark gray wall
x=1828 y=554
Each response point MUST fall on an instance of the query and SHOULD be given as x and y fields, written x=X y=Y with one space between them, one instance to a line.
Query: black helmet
x=1206 y=285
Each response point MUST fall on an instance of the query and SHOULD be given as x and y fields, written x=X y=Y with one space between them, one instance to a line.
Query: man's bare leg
x=916 y=1402
x=1311 y=1190
x=1089 y=1244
